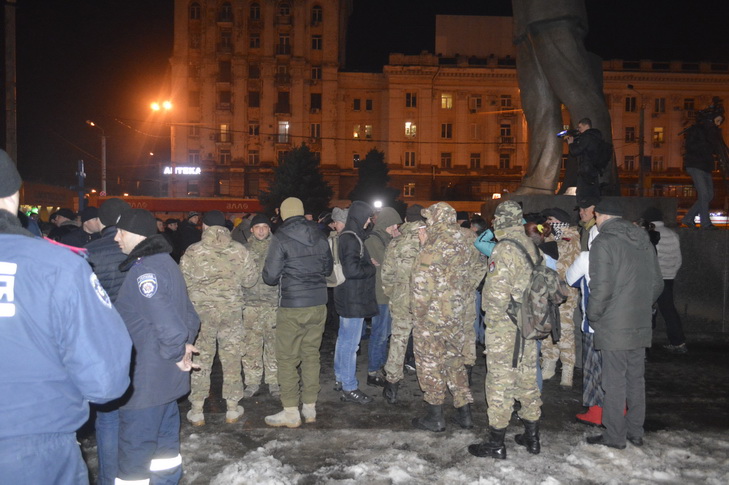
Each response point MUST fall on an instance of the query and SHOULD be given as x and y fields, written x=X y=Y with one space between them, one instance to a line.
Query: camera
x=564 y=133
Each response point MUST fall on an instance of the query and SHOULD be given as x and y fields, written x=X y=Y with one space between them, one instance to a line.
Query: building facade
x=251 y=79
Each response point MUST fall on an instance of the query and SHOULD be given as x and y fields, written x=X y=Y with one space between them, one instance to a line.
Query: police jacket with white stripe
x=160 y=318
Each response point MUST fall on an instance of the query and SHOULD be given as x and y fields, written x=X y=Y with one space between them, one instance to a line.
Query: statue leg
x=542 y=110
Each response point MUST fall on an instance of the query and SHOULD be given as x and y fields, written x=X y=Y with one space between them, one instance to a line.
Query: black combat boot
x=494 y=447
x=390 y=391
x=463 y=417
x=530 y=438
x=433 y=421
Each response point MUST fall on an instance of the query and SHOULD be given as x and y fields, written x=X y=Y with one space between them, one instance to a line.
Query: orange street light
x=164 y=105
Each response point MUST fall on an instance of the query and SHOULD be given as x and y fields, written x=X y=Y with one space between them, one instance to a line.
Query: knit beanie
x=291 y=207
x=413 y=213
x=340 y=215
x=260 y=219
x=559 y=214
x=89 y=213
x=10 y=180
x=138 y=221
x=609 y=207
x=111 y=210
x=214 y=218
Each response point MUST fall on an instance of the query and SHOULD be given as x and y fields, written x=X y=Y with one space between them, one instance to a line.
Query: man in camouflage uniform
x=215 y=269
x=506 y=381
x=397 y=270
x=443 y=284
x=259 y=316
x=568 y=243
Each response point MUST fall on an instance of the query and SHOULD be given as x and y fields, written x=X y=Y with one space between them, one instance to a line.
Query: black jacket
x=79 y=238
x=585 y=148
x=298 y=260
x=700 y=148
x=160 y=318
x=355 y=298
x=625 y=281
x=105 y=256
x=188 y=234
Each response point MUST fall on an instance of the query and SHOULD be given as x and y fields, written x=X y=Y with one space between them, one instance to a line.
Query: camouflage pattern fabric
x=476 y=273
x=226 y=328
x=397 y=270
x=215 y=270
x=507 y=277
x=564 y=350
x=443 y=285
x=259 y=293
x=259 y=345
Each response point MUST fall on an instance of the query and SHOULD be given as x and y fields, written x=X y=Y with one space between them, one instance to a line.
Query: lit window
x=254 y=158
x=445 y=160
x=316 y=42
x=446 y=130
x=368 y=131
x=408 y=190
x=254 y=128
x=254 y=12
x=475 y=161
x=630 y=102
x=409 y=159
x=357 y=131
x=446 y=101
x=194 y=11
x=658 y=134
x=224 y=135
x=283 y=132
x=411 y=100
x=317 y=14
x=315 y=130
x=410 y=129
x=504 y=161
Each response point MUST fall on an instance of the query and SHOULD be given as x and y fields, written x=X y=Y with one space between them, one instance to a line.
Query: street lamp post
x=103 y=156
x=641 y=143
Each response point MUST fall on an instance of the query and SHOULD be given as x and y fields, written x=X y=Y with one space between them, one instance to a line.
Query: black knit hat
x=214 y=218
x=67 y=213
x=111 y=210
x=10 y=180
x=138 y=221
x=609 y=207
x=260 y=219
x=557 y=213
x=413 y=214
x=89 y=213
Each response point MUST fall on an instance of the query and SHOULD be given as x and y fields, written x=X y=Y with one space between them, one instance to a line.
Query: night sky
x=106 y=60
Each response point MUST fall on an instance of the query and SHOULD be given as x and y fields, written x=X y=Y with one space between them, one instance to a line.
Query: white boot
x=195 y=415
x=289 y=417
x=234 y=412
x=567 y=371
x=308 y=411
x=548 y=368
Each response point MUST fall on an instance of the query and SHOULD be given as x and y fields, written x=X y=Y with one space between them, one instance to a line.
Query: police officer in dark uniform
x=163 y=325
x=63 y=345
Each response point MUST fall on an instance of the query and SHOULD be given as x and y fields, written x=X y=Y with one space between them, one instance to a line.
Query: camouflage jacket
x=259 y=294
x=569 y=249
x=397 y=267
x=216 y=268
x=508 y=275
x=443 y=280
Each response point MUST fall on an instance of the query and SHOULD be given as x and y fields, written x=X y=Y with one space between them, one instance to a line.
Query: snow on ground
x=414 y=457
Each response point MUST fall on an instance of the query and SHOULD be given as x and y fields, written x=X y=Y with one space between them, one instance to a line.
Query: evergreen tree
x=298 y=176
x=373 y=179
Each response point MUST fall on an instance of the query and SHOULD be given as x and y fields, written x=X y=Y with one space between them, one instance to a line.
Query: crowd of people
x=430 y=282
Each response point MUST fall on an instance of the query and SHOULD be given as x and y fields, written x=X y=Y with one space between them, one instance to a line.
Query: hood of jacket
x=156 y=244
x=358 y=214
x=411 y=227
x=508 y=214
x=386 y=218
x=626 y=231
x=216 y=237
x=300 y=230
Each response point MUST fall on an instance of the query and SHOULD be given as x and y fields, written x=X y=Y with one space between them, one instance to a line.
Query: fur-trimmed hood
x=156 y=244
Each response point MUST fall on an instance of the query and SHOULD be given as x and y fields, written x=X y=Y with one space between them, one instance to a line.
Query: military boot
x=493 y=448
x=390 y=391
x=195 y=415
x=463 y=417
x=433 y=421
x=530 y=438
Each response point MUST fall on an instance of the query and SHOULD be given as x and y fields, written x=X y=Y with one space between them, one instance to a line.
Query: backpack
x=537 y=316
x=337 y=276
x=603 y=155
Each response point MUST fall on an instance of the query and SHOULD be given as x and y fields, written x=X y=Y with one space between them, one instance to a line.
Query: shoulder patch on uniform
x=147 y=284
x=100 y=291
x=492 y=266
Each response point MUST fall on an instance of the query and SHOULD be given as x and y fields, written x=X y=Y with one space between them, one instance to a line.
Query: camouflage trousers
x=504 y=383
x=259 y=345
x=440 y=360
x=223 y=326
x=563 y=350
x=469 y=316
x=402 y=325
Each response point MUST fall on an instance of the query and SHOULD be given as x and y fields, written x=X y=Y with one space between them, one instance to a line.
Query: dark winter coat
x=188 y=234
x=355 y=298
x=585 y=148
x=299 y=261
x=625 y=281
x=160 y=319
x=79 y=238
x=105 y=256
x=59 y=232
x=699 y=147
